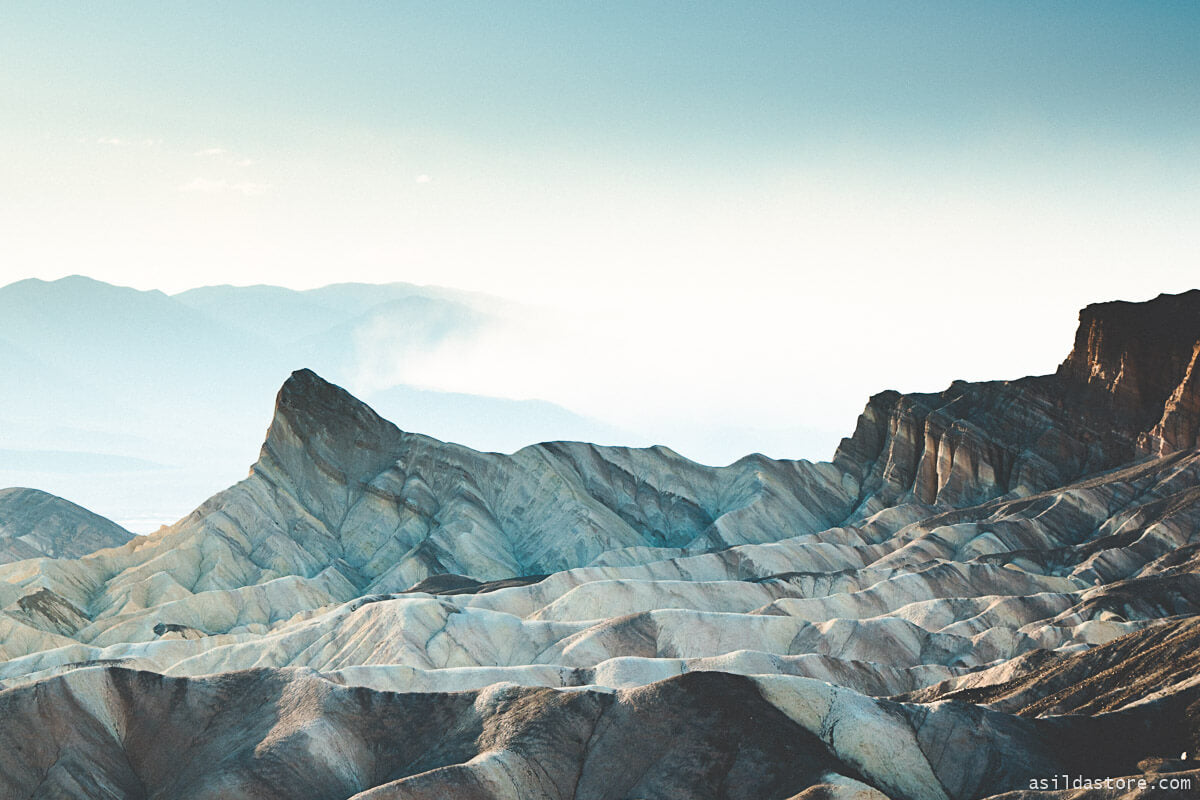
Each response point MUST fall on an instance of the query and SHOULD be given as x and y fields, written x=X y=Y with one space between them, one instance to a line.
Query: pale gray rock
x=35 y=524
x=991 y=583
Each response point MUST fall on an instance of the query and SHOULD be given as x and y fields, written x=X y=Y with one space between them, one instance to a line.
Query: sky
x=744 y=218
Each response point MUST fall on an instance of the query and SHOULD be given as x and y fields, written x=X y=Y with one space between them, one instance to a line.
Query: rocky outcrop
x=336 y=487
x=1157 y=661
x=113 y=733
x=921 y=598
x=34 y=524
x=1129 y=387
x=1179 y=426
x=45 y=610
x=109 y=732
x=972 y=443
x=1137 y=361
x=989 y=585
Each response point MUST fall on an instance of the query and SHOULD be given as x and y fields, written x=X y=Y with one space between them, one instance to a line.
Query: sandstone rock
x=1137 y=360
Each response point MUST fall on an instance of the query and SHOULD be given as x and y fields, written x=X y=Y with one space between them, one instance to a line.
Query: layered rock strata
x=987 y=585
x=34 y=524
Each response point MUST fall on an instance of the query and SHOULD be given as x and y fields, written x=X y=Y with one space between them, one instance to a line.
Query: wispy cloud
x=220 y=186
x=210 y=152
x=423 y=179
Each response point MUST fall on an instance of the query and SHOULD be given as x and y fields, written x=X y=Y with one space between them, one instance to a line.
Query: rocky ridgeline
x=1129 y=387
x=34 y=523
x=372 y=613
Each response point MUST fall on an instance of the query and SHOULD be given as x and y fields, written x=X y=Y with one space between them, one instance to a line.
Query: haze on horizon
x=739 y=222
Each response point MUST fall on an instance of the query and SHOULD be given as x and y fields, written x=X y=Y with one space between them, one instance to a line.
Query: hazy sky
x=751 y=213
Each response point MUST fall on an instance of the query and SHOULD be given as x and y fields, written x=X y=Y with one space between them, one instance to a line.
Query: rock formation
x=34 y=524
x=1138 y=361
x=987 y=586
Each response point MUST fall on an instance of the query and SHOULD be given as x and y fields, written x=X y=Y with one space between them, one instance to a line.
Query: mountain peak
x=307 y=391
x=319 y=423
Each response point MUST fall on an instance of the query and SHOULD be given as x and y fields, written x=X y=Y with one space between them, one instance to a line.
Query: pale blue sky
x=755 y=213
x=752 y=77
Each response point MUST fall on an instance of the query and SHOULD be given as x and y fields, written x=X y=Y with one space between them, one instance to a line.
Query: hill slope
x=367 y=598
x=34 y=523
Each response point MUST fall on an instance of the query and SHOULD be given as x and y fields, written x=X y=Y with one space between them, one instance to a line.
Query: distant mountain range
x=130 y=378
